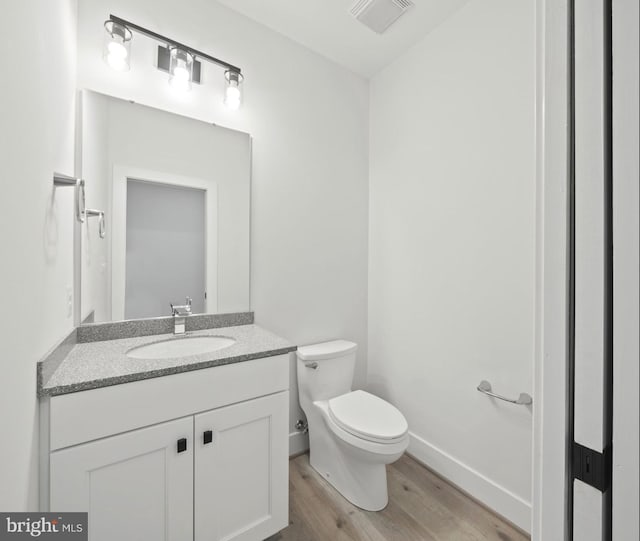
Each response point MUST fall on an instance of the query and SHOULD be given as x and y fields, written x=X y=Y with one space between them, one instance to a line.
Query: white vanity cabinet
x=199 y=455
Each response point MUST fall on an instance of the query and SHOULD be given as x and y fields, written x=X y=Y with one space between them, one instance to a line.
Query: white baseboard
x=298 y=443
x=499 y=499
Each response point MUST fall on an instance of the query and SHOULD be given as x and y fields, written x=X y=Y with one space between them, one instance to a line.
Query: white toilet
x=352 y=434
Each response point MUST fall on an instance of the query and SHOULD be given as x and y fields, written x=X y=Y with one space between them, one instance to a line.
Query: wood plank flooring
x=422 y=507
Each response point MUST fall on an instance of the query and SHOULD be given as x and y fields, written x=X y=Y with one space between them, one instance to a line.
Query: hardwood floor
x=422 y=507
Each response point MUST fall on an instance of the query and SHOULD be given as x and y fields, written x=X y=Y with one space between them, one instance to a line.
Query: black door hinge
x=592 y=467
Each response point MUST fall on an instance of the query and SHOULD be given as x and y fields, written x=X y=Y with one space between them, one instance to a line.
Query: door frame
x=550 y=412
x=121 y=174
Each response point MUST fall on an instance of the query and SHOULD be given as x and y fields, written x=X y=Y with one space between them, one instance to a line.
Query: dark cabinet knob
x=207 y=436
x=182 y=445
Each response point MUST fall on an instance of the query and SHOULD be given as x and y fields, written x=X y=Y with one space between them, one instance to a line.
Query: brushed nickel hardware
x=60 y=180
x=180 y=312
x=524 y=399
x=102 y=226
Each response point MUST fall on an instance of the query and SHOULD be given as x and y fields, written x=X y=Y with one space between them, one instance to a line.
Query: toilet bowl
x=352 y=434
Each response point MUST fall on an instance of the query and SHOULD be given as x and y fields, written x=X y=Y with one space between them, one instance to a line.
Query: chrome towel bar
x=64 y=180
x=524 y=399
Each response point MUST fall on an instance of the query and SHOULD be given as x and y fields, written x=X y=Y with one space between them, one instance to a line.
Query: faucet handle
x=181 y=310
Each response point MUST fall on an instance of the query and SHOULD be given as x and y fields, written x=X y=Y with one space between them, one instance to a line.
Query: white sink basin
x=181 y=347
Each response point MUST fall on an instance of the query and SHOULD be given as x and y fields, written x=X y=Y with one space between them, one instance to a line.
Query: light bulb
x=232 y=92
x=180 y=69
x=181 y=73
x=232 y=97
x=117 y=45
x=118 y=63
x=181 y=85
x=117 y=50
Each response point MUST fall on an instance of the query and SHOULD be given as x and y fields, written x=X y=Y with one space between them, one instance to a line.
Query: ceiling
x=327 y=27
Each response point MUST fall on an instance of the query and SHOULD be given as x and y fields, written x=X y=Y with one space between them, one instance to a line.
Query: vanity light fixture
x=180 y=61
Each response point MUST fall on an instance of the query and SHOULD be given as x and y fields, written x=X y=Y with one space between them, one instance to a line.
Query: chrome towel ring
x=102 y=226
x=61 y=180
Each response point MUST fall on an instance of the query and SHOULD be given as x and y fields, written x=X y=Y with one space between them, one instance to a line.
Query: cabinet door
x=135 y=486
x=242 y=475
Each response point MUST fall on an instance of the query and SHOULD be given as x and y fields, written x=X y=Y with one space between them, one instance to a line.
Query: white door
x=605 y=507
x=136 y=486
x=241 y=470
x=593 y=321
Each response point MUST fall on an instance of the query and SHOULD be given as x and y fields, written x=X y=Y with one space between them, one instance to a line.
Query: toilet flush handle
x=313 y=365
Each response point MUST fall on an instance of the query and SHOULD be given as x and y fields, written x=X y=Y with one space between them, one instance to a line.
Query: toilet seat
x=368 y=417
x=389 y=447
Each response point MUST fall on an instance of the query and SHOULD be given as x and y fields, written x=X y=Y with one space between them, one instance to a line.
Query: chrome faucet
x=180 y=313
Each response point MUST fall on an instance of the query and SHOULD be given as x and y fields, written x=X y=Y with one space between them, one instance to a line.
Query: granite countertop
x=90 y=365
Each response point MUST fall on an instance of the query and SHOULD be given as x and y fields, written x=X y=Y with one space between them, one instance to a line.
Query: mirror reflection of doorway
x=165 y=248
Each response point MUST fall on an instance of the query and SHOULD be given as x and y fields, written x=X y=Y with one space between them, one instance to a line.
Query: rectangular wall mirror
x=175 y=193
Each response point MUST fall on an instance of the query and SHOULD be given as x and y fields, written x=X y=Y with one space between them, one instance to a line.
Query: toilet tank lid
x=326 y=350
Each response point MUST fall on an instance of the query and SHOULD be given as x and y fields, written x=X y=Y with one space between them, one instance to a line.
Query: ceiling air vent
x=379 y=14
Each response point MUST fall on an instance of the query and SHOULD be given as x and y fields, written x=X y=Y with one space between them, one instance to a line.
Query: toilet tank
x=332 y=376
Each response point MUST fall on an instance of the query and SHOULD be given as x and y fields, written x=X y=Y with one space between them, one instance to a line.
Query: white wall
x=452 y=247
x=309 y=123
x=36 y=224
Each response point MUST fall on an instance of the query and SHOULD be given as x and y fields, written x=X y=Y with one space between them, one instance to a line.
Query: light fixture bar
x=172 y=43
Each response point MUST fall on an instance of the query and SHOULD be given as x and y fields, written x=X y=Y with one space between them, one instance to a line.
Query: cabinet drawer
x=88 y=415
